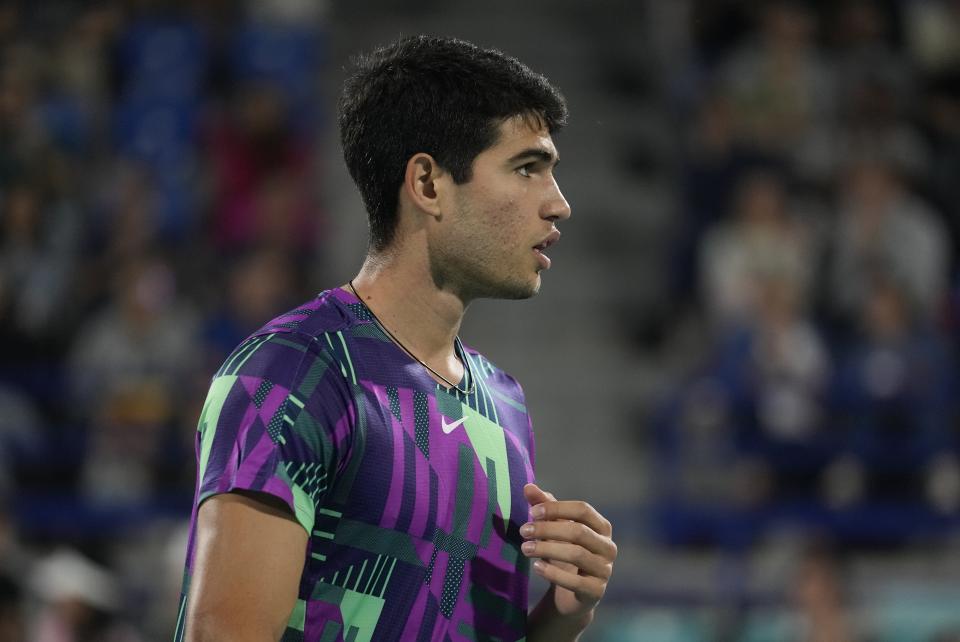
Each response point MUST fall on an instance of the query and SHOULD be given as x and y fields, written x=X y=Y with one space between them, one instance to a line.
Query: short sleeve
x=277 y=420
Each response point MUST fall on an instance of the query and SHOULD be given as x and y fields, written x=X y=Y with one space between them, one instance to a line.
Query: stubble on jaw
x=469 y=267
x=477 y=258
x=469 y=283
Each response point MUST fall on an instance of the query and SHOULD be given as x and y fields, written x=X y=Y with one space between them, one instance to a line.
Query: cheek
x=502 y=229
x=493 y=223
x=505 y=217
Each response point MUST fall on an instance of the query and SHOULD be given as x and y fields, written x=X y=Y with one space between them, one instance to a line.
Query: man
x=363 y=475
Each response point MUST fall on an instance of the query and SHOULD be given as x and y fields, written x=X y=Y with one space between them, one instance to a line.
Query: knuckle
x=594 y=587
x=581 y=533
x=607 y=526
x=580 y=556
x=614 y=549
x=597 y=589
x=601 y=590
x=607 y=571
x=578 y=583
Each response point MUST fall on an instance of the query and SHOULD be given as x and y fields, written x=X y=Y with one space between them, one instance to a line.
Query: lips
x=538 y=249
x=551 y=238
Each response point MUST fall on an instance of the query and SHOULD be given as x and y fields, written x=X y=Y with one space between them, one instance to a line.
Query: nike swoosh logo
x=449 y=428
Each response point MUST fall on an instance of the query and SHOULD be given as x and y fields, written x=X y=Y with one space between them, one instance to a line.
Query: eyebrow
x=537 y=153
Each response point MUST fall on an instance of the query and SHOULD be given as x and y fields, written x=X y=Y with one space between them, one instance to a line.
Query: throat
x=458 y=360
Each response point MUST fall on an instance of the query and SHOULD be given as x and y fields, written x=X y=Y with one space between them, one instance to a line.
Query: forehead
x=522 y=132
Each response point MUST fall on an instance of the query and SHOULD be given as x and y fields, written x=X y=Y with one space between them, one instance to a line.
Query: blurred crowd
x=160 y=198
x=814 y=263
x=820 y=212
x=158 y=202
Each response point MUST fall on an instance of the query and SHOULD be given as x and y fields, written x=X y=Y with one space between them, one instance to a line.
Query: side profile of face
x=494 y=229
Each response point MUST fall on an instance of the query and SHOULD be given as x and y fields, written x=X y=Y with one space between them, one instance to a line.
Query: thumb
x=535 y=495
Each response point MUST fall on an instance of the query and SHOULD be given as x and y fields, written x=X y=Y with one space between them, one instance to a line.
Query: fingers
x=574 y=534
x=586 y=562
x=572 y=544
x=536 y=495
x=587 y=588
x=576 y=511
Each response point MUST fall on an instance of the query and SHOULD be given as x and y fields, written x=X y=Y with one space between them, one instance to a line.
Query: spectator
x=258 y=284
x=895 y=393
x=127 y=427
x=784 y=364
x=875 y=92
x=713 y=164
x=774 y=368
x=821 y=600
x=124 y=227
x=144 y=333
x=817 y=605
x=38 y=243
x=761 y=240
x=261 y=170
x=883 y=227
x=127 y=366
x=80 y=601
x=781 y=91
x=20 y=429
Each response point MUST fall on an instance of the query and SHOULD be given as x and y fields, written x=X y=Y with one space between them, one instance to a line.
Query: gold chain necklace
x=457 y=345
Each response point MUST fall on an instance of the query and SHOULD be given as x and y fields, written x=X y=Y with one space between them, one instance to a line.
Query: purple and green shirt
x=411 y=493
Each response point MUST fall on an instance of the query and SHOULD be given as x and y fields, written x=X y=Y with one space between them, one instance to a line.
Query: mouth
x=539 y=248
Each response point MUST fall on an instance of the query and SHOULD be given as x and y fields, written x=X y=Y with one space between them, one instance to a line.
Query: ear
x=423 y=183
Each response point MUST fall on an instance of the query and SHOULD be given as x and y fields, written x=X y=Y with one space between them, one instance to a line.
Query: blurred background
x=745 y=355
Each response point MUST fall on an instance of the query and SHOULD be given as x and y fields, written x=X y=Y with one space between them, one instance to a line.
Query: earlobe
x=421 y=181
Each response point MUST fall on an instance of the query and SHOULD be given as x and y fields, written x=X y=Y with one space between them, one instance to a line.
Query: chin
x=490 y=286
x=520 y=290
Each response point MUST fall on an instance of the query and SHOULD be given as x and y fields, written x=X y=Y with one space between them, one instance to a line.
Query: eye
x=525 y=170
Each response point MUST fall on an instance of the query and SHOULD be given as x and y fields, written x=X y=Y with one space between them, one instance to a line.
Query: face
x=494 y=229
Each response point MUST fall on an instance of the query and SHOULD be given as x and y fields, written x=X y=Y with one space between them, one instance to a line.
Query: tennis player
x=363 y=475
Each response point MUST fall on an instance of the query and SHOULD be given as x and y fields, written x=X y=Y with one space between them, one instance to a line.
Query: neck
x=424 y=318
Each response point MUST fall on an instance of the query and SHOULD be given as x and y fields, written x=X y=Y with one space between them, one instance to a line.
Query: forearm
x=545 y=624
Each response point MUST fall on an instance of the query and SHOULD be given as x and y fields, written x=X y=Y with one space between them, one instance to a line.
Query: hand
x=574 y=550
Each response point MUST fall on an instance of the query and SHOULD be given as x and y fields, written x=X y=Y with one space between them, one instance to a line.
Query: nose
x=555 y=206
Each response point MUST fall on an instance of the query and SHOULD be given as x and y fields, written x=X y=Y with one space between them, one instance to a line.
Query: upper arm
x=277 y=424
x=247 y=564
x=267 y=451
